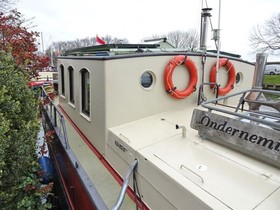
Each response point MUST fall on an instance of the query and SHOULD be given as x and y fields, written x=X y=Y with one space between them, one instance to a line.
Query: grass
x=271 y=97
x=271 y=79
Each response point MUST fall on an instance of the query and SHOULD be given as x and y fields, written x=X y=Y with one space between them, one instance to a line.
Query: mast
x=42 y=40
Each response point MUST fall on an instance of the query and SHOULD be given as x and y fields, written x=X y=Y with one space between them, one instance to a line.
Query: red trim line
x=107 y=165
x=63 y=182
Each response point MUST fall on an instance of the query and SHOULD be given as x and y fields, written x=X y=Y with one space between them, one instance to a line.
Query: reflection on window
x=71 y=84
x=62 y=80
x=85 y=83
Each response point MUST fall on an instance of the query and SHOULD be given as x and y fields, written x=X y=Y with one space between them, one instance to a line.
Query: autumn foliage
x=17 y=39
x=20 y=185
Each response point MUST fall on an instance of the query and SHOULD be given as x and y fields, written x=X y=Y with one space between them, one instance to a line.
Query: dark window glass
x=85 y=83
x=71 y=84
x=146 y=79
x=62 y=80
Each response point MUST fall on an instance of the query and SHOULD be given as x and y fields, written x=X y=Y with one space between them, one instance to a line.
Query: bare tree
x=114 y=40
x=63 y=46
x=266 y=38
x=188 y=40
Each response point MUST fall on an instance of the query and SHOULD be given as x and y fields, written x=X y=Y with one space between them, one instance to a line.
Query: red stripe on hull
x=76 y=193
x=113 y=172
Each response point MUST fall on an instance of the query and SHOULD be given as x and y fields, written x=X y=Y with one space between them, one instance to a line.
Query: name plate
x=250 y=138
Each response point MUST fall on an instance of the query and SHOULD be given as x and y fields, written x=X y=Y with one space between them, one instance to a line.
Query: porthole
x=239 y=78
x=147 y=79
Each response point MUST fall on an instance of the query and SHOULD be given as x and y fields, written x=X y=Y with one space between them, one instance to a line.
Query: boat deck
x=189 y=170
x=174 y=170
x=102 y=179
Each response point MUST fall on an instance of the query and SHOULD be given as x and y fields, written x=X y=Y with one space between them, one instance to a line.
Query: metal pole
x=261 y=59
x=125 y=185
x=218 y=43
x=205 y=14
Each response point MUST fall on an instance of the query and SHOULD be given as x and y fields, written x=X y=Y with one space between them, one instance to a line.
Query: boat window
x=62 y=80
x=147 y=79
x=71 y=84
x=85 y=84
x=239 y=78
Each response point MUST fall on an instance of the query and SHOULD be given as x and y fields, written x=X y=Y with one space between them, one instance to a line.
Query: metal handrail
x=53 y=111
x=200 y=91
x=125 y=185
x=250 y=114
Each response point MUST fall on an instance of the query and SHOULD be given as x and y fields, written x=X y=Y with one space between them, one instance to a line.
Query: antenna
x=42 y=40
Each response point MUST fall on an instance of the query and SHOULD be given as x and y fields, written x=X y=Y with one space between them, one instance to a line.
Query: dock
x=271 y=86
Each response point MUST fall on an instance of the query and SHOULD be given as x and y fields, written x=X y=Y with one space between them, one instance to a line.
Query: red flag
x=99 y=41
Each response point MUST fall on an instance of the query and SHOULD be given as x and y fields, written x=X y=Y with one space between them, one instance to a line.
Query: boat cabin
x=138 y=102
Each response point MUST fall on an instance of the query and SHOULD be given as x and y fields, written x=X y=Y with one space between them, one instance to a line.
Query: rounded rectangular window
x=71 y=84
x=62 y=80
x=85 y=84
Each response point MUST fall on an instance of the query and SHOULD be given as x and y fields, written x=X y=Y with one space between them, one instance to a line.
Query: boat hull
x=75 y=190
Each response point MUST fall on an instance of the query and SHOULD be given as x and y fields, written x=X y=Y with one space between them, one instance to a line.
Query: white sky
x=61 y=20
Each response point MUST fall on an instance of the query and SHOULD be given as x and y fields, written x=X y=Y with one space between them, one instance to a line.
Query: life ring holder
x=169 y=69
x=231 y=76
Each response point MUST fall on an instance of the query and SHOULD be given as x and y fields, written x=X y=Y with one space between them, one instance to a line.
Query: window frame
x=71 y=85
x=85 y=92
x=62 y=80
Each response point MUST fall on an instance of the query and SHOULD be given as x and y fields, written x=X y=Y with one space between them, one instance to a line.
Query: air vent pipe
x=205 y=15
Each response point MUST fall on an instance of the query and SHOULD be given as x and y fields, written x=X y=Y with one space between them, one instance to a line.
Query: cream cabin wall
x=246 y=70
x=117 y=96
x=94 y=126
x=126 y=100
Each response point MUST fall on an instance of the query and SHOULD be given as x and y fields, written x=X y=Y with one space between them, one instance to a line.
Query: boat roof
x=125 y=49
x=109 y=48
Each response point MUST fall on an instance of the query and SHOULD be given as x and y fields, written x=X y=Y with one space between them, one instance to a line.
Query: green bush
x=19 y=126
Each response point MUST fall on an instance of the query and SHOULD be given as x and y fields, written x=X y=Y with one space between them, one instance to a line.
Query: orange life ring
x=169 y=69
x=231 y=78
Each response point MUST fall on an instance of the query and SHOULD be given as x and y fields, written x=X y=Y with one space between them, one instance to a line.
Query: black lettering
x=234 y=131
x=265 y=141
x=222 y=126
x=228 y=130
x=246 y=135
x=277 y=146
x=121 y=147
x=205 y=122
x=253 y=138
x=213 y=125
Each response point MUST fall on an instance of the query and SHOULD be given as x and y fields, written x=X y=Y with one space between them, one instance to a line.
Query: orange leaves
x=21 y=42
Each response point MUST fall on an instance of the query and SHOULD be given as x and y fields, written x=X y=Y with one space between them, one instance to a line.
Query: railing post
x=64 y=133
x=55 y=117
x=52 y=113
x=125 y=185
x=51 y=109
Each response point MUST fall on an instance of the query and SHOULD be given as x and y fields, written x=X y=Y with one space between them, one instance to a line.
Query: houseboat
x=148 y=126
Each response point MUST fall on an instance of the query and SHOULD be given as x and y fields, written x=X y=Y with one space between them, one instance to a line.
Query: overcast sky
x=61 y=20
